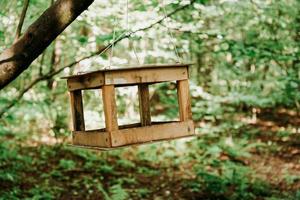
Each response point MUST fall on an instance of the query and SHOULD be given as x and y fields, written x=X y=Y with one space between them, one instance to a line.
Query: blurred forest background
x=245 y=89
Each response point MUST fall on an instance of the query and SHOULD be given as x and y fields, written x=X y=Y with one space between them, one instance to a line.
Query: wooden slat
x=184 y=102
x=110 y=108
x=144 y=104
x=148 y=66
x=131 y=136
x=126 y=77
x=135 y=76
x=152 y=133
x=89 y=81
x=77 y=110
x=91 y=138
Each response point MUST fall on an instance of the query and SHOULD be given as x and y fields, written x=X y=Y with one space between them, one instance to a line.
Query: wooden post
x=110 y=108
x=184 y=102
x=77 y=110
x=144 y=103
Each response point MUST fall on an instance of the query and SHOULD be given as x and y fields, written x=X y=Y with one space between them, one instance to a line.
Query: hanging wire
x=112 y=49
x=112 y=43
x=127 y=30
x=115 y=39
x=170 y=33
x=127 y=16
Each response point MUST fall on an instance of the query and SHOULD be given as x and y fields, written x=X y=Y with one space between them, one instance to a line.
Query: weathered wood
x=145 y=131
x=86 y=82
x=77 y=110
x=163 y=131
x=151 y=75
x=131 y=136
x=184 y=102
x=91 y=138
x=110 y=108
x=144 y=104
x=135 y=68
x=127 y=76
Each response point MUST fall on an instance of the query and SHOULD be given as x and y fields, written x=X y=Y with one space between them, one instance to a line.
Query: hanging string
x=127 y=16
x=127 y=30
x=170 y=33
x=112 y=49
x=116 y=39
x=112 y=43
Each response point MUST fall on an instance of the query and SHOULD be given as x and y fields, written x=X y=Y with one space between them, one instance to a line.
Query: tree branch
x=22 y=18
x=123 y=37
x=38 y=37
x=53 y=73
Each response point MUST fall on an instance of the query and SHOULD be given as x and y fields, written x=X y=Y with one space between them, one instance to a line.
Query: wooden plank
x=148 y=75
x=132 y=136
x=144 y=134
x=91 y=138
x=110 y=108
x=126 y=77
x=88 y=81
x=144 y=104
x=148 y=66
x=135 y=125
x=77 y=110
x=184 y=101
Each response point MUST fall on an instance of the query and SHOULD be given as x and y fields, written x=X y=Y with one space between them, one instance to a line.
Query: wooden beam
x=166 y=131
x=77 y=110
x=144 y=104
x=110 y=108
x=125 y=77
x=147 y=75
x=185 y=112
x=131 y=136
x=86 y=82
x=91 y=138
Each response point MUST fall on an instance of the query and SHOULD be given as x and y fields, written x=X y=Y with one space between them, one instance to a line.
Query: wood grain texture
x=146 y=131
x=150 y=66
x=91 y=138
x=127 y=77
x=144 y=104
x=165 y=131
x=86 y=82
x=148 y=75
x=110 y=108
x=185 y=112
x=77 y=110
x=132 y=136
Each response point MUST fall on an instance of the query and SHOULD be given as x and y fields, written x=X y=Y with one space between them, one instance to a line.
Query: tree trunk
x=17 y=58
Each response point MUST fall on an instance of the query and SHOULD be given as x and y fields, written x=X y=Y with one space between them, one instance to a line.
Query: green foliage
x=147 y=172
x=125 y=163
x=232 y=182
x=142 y=192
x=40 y=193
x=67 y=164
x=246 y=62
x=166 y=96
x=118 y=193
x=1 y=35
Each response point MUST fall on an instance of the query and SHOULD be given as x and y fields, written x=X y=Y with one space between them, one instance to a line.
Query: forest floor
x=260 y=160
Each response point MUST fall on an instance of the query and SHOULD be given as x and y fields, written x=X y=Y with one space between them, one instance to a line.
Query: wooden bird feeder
x=114 y=135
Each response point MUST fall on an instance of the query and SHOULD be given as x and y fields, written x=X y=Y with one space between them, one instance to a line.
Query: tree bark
x=17 y=58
